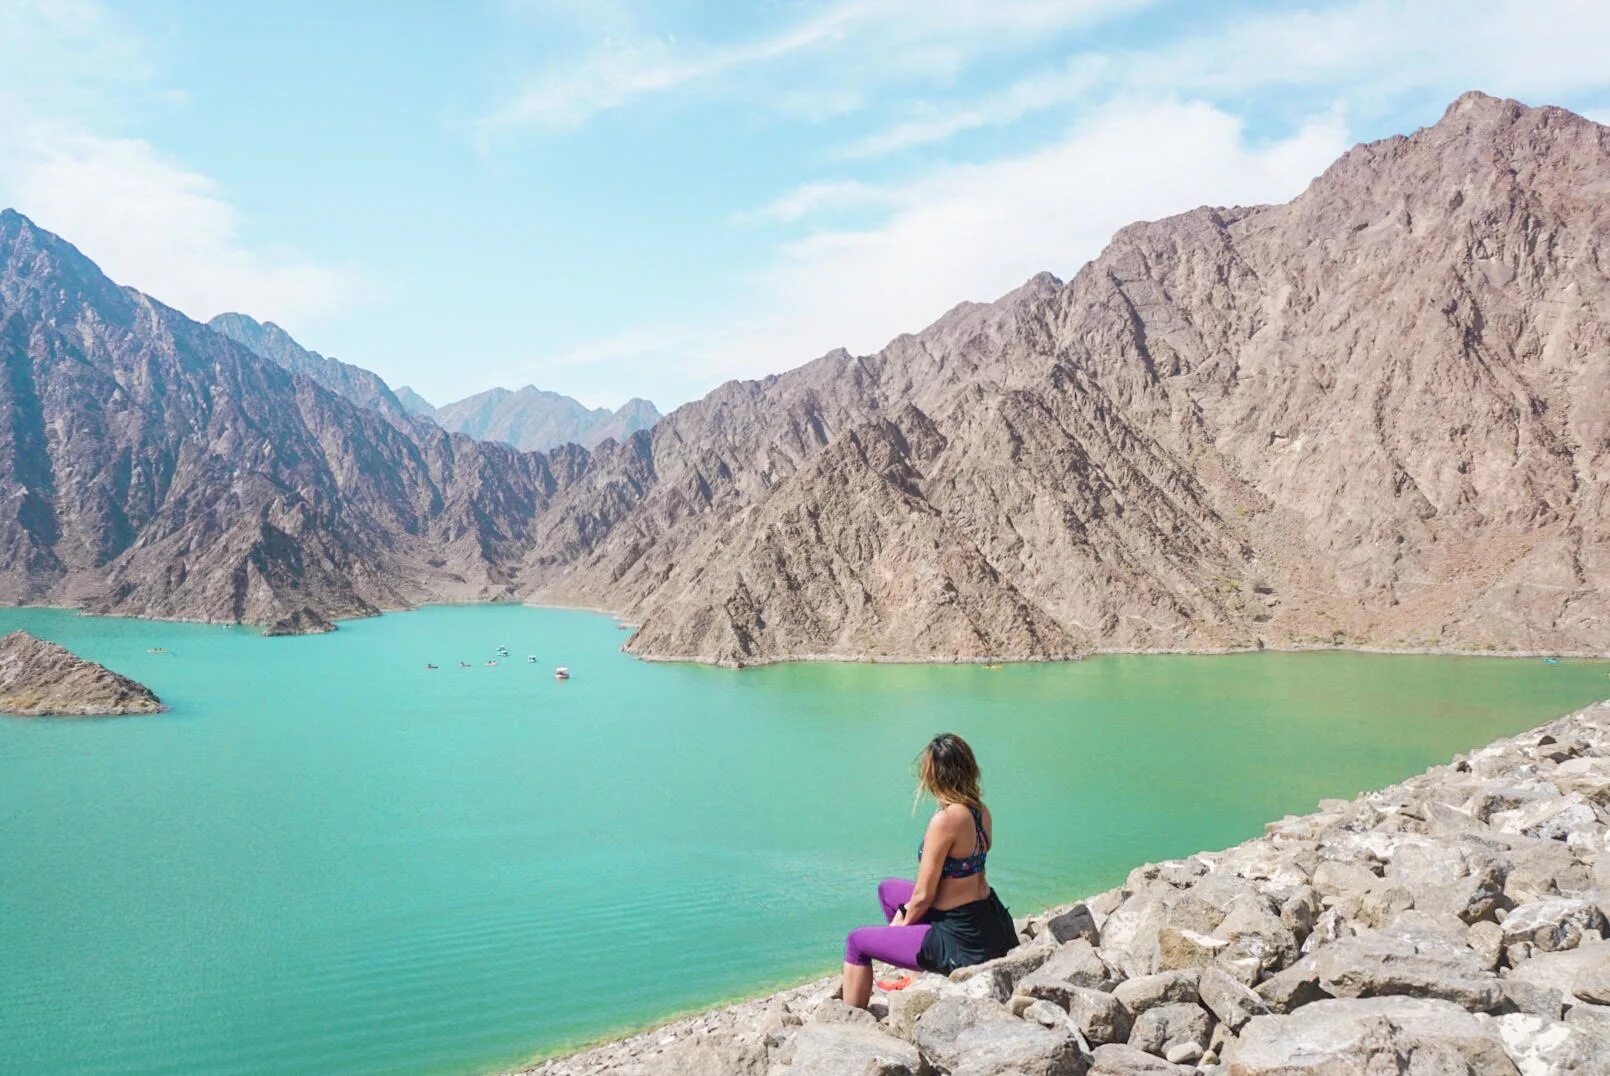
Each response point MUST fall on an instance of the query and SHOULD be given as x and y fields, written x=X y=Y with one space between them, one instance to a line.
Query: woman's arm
x=935 y=846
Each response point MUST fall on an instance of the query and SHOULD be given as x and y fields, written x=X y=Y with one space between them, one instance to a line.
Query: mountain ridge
x=1371 y=416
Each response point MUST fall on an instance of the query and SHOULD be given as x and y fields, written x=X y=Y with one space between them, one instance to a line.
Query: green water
x=328 y=859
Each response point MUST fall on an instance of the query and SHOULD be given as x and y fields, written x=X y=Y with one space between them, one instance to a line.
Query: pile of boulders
x=1454 y=923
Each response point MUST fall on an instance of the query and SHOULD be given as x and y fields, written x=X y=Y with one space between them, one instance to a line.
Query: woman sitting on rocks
x=949 y=917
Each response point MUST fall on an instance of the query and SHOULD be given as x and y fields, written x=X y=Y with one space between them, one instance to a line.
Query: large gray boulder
x=831 y=1049
x=1099 y=1016
x=1230 y=1001
x=1148 y=991
x=1160 y=1029
x=1367 y=1036
x=999 y=977
x=1076 y=964
x=970 y=1037
x=1412 y=962
x=1551 y=925
x=1120 y=1060
x=1561 y=971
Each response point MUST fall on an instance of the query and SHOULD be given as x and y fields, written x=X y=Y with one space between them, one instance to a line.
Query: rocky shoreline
x=41 y=679
x=1452 y=923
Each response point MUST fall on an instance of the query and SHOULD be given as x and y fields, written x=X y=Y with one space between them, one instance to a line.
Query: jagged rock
x=1179 y=949
x=1075 y=964
x=1231 y=1002
x=1301 y=911
x=1592 y=1018
x=1123 y=1060
x=1162 y=1027
x=1296 y=986
x=969 y=1037
x=1149 y=991
x=1369 y=1035
x=834 y=1011
x=908 y=1004
x=1076 y=922
x=1552 y=1048
x=834 y=1049
x=1560 y=971
x=303 y=621
x=1412 y=963
x=40 y=679
x=997 y=978
x=1547 y=819
x=1528 y=997
x=1592 y=983
x=1486 y=940
x=1099 y=1016
x=1551 y=925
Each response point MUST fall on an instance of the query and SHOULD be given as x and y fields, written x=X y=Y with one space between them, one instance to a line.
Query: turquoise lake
x=328 y=858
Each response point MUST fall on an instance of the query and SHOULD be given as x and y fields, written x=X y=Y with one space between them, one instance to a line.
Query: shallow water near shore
x=327 y=858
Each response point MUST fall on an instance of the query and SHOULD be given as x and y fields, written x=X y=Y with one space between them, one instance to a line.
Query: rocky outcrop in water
x=303 y=621
x=40 y=679
x=1451 y=924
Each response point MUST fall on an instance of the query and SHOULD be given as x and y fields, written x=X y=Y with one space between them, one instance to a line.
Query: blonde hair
x=947 y=771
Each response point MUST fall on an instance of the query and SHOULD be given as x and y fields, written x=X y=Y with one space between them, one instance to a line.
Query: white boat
x=561 y=673
x=531 y=658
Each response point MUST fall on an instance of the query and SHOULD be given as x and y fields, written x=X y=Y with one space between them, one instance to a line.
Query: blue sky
x=614 y=198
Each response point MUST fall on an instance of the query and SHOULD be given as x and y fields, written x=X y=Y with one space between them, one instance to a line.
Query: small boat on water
x=531 y=659
x=489 y=664
x=428 y=665
x=463 y=664
x=561 y=673
x=156 y=650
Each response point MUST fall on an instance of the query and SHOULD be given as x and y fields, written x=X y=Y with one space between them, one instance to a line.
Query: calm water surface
x=328 y=859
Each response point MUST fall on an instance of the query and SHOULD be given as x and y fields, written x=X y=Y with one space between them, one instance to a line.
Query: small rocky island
x=1451 y=925
x=40 y=679
x=303 y=621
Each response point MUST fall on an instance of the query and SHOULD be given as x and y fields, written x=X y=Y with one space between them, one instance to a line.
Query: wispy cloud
x=912 y=35
x=810 y=198
x=1369 y=48
x=68 y=68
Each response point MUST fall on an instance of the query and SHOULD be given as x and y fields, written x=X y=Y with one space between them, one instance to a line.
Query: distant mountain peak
x=536 y=419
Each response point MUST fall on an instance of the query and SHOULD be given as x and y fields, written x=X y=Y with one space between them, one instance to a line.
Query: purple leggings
x=892 y=945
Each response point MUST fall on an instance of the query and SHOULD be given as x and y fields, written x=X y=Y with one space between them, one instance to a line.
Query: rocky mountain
x=40 y=679
x=1375 y=415
x=155 y=467
x=536 y=420
x=268 y=340
x=415 y=404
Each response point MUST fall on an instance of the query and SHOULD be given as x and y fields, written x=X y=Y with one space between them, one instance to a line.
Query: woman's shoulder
x=956 y=814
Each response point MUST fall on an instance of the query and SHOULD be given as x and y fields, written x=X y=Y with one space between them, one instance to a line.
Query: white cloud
x=911 y=37
x=68 y=70
x=975 y=232
x=149 y=222
x=1374 y=49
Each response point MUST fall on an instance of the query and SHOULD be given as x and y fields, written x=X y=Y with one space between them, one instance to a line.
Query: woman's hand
x=899 y=919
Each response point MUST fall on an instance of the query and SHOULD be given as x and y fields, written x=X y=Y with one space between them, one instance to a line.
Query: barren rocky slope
x=1376 y=415
x=1452 y=925
x=156 y=468
x=40 y=679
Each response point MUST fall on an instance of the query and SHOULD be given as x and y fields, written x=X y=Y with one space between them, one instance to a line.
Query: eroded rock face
x=303 y=621
x=1388 y=986
x=40 y=679
x=1373 y=415
x=1284 y=424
